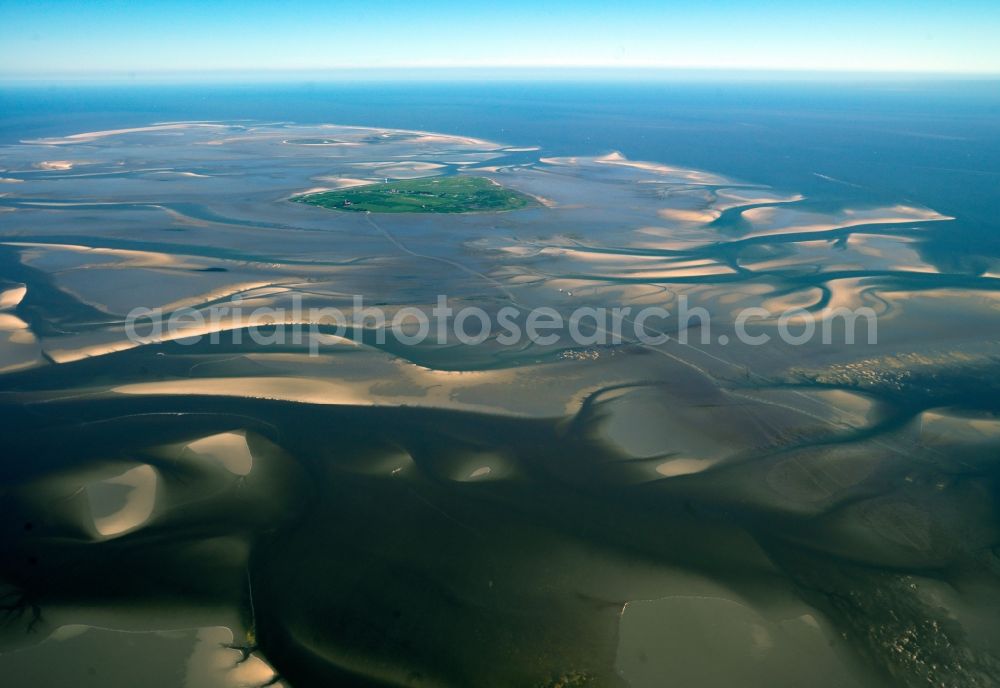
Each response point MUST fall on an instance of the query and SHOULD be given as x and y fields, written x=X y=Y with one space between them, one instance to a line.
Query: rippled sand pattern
x=243 y=514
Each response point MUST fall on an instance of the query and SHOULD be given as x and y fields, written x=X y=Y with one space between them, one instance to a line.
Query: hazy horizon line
x=490 y=73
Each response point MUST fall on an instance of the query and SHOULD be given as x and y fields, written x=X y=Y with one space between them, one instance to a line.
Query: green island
x=457 y=194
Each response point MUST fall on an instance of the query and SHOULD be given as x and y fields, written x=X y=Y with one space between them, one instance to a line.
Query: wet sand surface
x=382 y=514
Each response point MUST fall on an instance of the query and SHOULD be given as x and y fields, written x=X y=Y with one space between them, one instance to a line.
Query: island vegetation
x=454 y=194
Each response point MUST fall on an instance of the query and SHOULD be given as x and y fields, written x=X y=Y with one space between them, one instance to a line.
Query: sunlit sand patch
x=119 y=645
x=972 y=301
x=253 y=672
x=305 y=390
x=316 y=189
x=542 y=200
x=940 y=428
x=125 y=502
x=66 y=354
x=198 y=290
x=211 y=660
x=112 y=341
x=807 y=298
x=228 y=448
x=519 y=250
x=616 y=159
x=335 y=183
x=430 y=137
x=806 y=254
x=694 y=176
x=834 y=406
x=87 y=137
x=249 y=293
x=213 y=664
x=319 y=142
x=283 y=389
x=852 y=408
x=595 y=256
x=117 y=280
x=547 y=202
x=400 y=165
x=391 y=381
x=892 y=252
x=772 y=220
x=172 y=122
x=56 y=164
x=848 y=294
x=10 y=322
x=499 y=391
x=690 y=216
x=679 y=467
x=122 y=257
x=252 y=310
x=12 y=297
x=184 y=219
x=479 y=467
x=671 y=239
x=514 y=278
x=762 y=215
x=734 y=198
x=852 y=294
x=693 y=268
x=622 y=265
x=404 y=172
x=115 y=338
x=19 y=348
x=244 y=138
x=562 y=161
x=68 y=204
x=470 y=161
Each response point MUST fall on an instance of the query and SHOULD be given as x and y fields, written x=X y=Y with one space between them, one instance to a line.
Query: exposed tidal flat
x=232 y=512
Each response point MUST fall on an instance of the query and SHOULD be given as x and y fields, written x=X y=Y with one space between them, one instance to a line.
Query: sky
x=68 y=38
